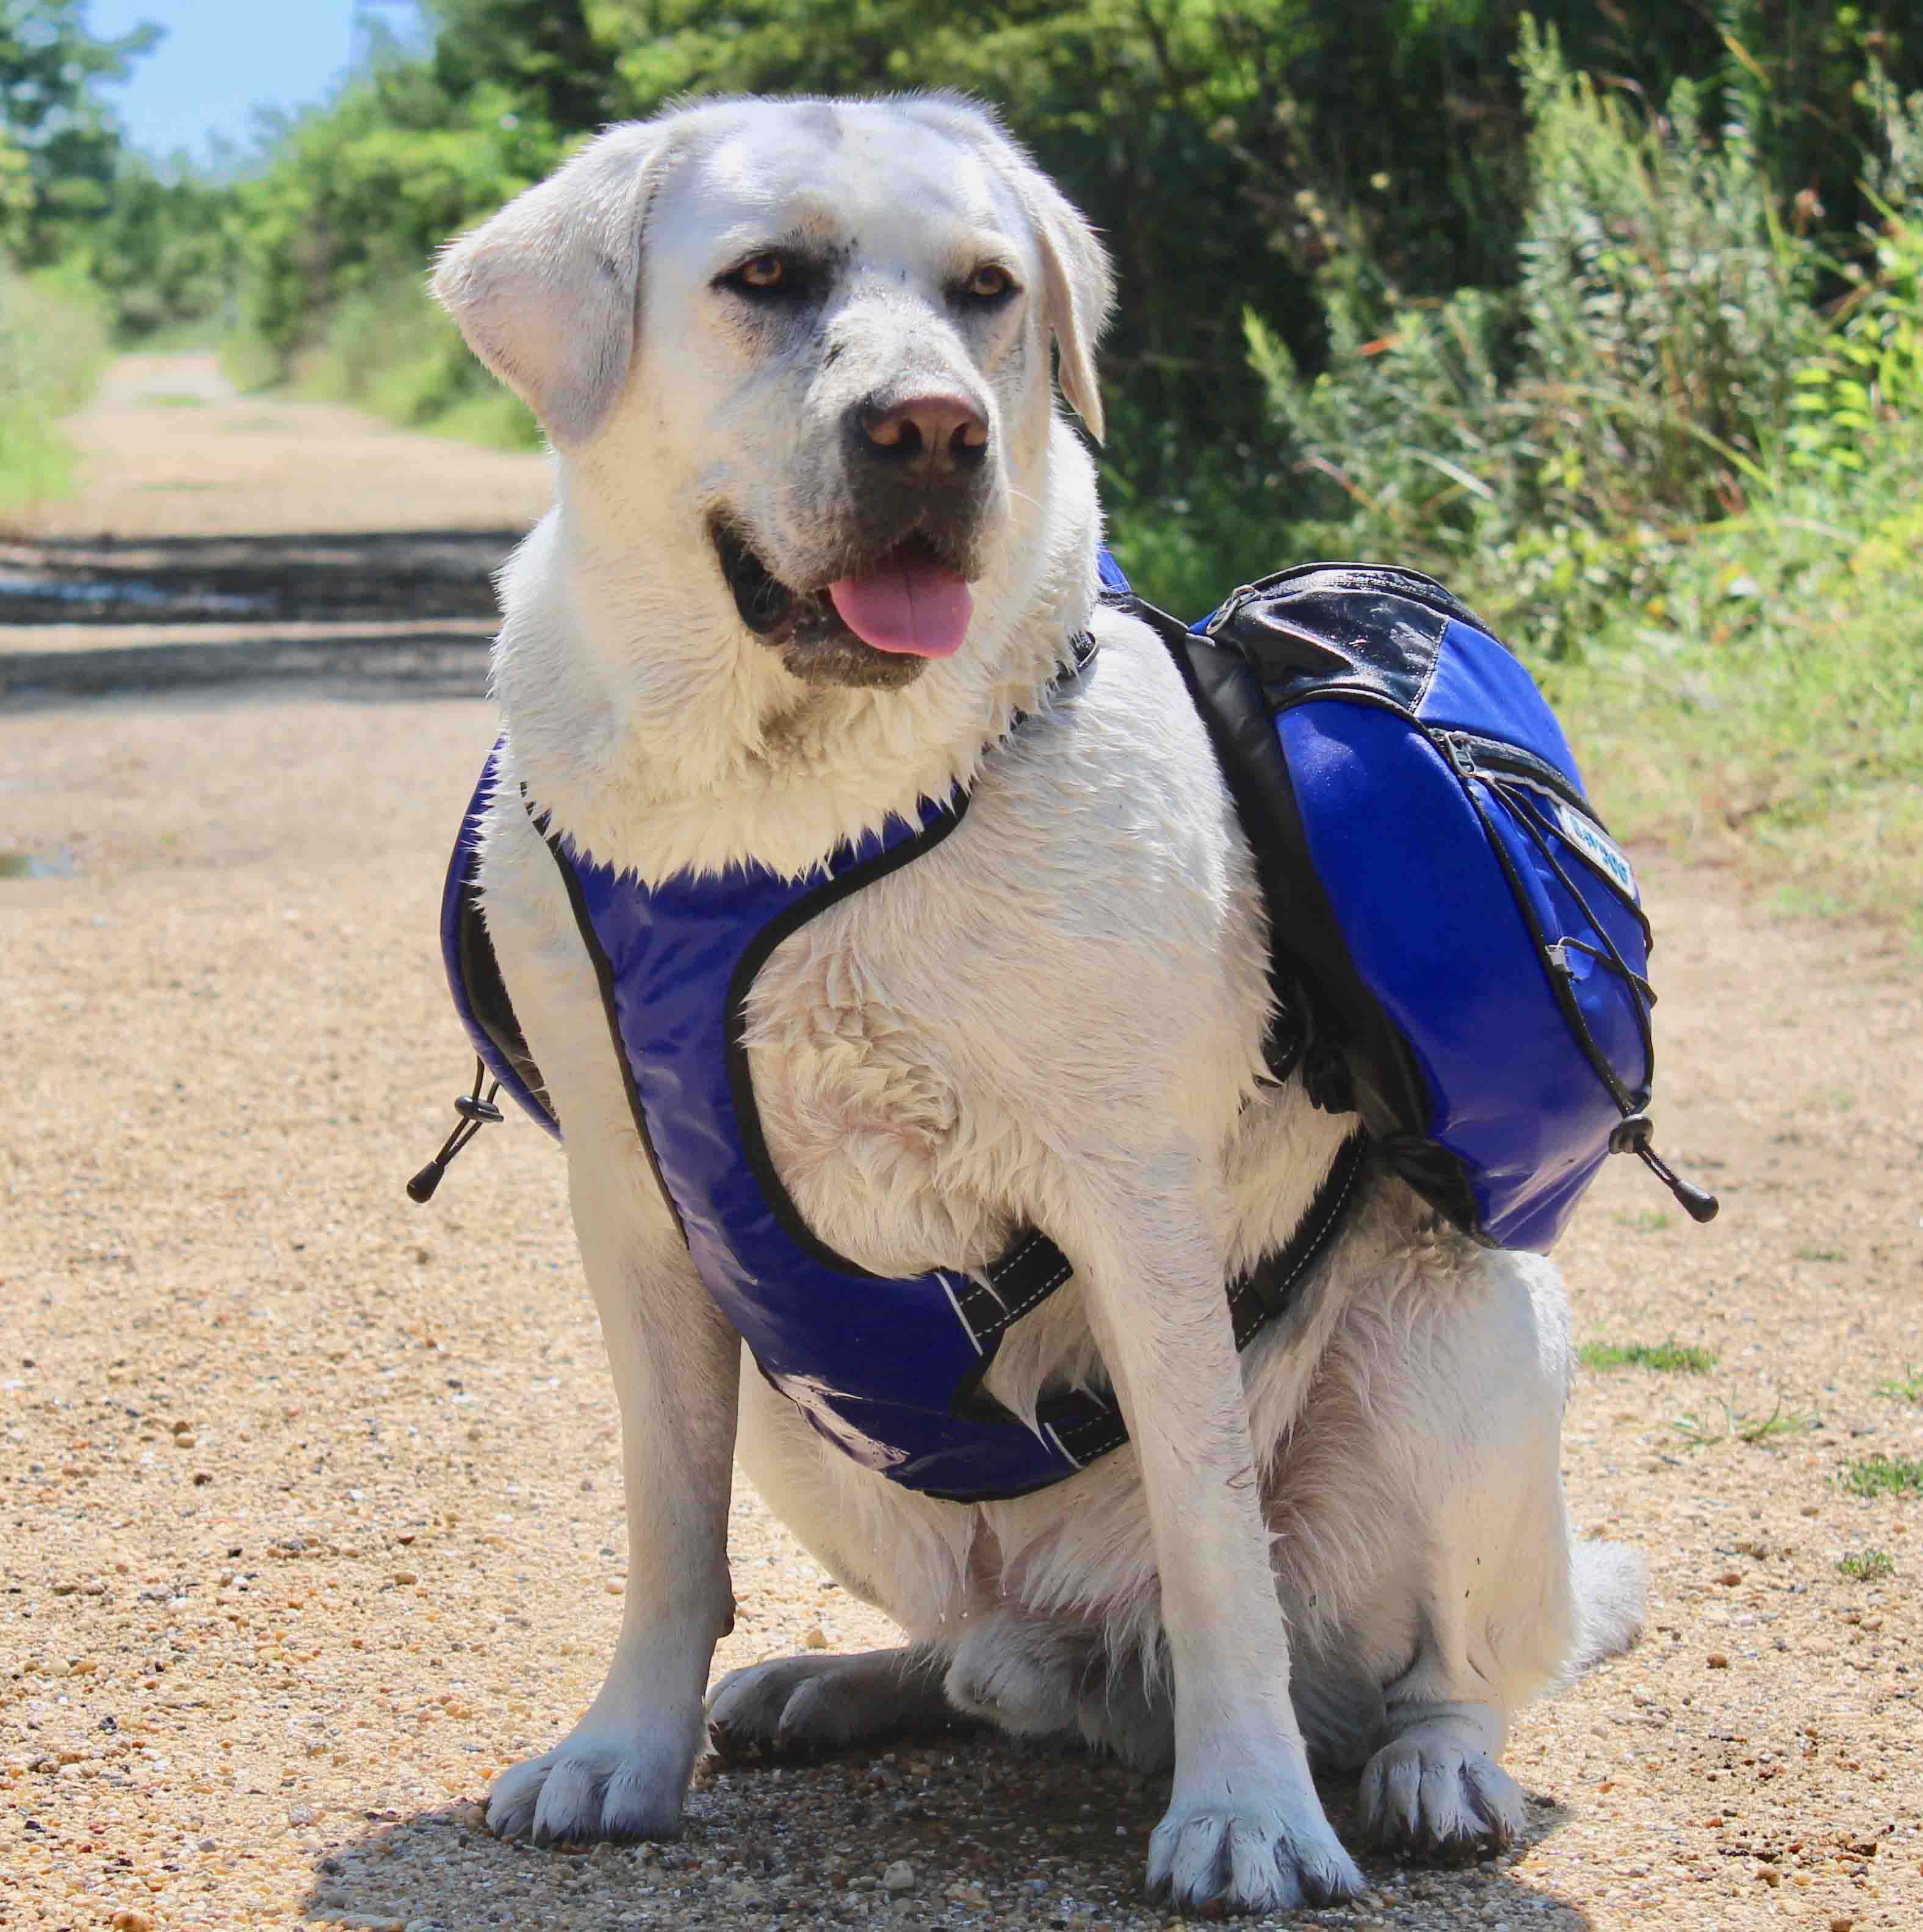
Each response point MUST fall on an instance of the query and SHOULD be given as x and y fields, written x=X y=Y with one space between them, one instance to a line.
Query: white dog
x=794 y=360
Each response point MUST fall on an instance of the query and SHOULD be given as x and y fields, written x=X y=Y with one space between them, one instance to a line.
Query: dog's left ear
x=1078 y=291
x=547 y=291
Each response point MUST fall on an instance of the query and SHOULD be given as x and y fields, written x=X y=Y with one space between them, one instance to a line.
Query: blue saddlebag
x=1459 y=937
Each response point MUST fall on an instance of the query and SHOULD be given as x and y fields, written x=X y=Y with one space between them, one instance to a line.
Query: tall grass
x=388 y=349
x=54 y=341
x=1555 y=446
x=1767 y=707
x=1687 y=490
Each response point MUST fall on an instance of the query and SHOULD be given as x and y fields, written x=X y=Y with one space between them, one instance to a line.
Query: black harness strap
x=1087 y=1423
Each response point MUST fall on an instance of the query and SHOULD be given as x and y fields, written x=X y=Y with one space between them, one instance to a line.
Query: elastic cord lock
x=476 y=1111
x=1632 y=1135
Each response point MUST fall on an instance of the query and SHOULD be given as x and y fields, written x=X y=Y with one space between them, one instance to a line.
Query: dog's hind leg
x=1039 y=1677
x=796 y=1706
x=1454 y=1400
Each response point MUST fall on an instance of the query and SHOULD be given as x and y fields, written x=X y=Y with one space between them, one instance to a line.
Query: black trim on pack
x=1311 y=966
x=1222 y=689
x=1628 y=1101
x=741 y=1085
x=604 y=974
x=487 y=997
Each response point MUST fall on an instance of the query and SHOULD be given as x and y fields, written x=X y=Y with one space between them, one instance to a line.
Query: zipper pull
x=1632 y=1136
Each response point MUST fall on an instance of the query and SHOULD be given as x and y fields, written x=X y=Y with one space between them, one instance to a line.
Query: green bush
x=388 y=348
x=1554 y=448
x=54 y=340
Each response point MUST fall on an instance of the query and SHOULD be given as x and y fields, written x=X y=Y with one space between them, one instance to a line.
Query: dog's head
x=820 y=330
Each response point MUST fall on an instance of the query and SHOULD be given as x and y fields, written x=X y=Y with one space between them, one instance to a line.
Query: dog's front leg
x=622 y=1772
x=1245 y=1829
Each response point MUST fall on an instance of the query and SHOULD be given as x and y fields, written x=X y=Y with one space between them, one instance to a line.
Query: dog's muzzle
x=873 y=623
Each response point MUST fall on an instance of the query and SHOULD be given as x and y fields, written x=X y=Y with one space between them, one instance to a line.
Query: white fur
x=1353 y=1540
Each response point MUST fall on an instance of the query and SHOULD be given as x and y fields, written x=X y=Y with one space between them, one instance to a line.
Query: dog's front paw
x=1249 y=1857
x=595 y=1785
x=1435 y=1798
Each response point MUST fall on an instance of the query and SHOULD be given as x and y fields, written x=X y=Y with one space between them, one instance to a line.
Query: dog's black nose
x=930 y=435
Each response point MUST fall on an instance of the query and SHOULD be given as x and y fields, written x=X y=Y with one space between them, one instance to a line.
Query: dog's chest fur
x=924 y=1049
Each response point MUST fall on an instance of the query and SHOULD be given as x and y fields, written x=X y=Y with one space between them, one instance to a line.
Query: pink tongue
x=913 y=606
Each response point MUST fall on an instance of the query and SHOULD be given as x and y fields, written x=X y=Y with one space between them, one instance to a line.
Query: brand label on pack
x=1598 y=847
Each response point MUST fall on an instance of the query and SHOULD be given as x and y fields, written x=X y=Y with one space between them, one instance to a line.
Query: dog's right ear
x=547 y=291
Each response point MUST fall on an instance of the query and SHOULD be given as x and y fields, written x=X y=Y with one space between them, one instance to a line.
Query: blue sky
x=222 y=58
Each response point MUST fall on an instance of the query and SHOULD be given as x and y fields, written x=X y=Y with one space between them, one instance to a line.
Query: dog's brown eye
x=989 y=283
x=764 y=271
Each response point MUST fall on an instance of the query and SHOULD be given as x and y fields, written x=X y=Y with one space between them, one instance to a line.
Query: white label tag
x=1598 y=846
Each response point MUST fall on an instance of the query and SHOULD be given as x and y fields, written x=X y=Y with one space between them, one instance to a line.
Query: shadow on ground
x=315 y=577
x=401 y=614
x=998 y=1835
x=413 y=663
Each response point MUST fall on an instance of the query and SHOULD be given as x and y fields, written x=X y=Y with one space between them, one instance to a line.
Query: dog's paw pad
x=589 y=1790
x=1438 y=1800
x=1211 y=1859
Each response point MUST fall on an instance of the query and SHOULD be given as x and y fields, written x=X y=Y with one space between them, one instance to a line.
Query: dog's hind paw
x=1435 y=1798
x=1212 y=1858
x=796 y=1706
x=591 y=1787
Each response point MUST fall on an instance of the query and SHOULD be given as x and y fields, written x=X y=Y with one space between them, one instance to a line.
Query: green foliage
x=364 y=192
x=165 y=250
x=53 y=341
x=1883 y=1476
x=541 y=52
x=1770 y=685
x=1908 y=1387
x=1555 y=447
x=1868 y=377
x=1867 y=1566
x=59 y=149
x=389 y=348
x=1672 y=1357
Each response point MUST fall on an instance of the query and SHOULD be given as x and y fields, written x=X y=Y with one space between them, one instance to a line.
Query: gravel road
x=311 y=1512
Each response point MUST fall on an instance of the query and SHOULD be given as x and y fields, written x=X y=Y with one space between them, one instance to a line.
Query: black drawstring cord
x=1631 y=1135
x=475 y=1113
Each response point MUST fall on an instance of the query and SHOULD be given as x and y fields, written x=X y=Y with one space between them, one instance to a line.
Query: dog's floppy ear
x=547 y=291
x=1078 y=291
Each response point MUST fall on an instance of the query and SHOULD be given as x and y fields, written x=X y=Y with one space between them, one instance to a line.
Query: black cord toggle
x=476 y=1112
x=1632 y=1135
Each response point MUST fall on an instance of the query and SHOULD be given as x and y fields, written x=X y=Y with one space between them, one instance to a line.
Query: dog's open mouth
x=909 y=605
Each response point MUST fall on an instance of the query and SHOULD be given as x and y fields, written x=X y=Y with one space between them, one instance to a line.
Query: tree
x=59 y=147
x=543 y=53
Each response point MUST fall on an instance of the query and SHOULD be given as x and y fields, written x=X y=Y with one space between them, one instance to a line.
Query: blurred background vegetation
x=1609 y=311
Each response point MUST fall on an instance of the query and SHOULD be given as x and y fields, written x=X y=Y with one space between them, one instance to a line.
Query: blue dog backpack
x=1460 y=949
x=888 y=1369
x=1459 y=957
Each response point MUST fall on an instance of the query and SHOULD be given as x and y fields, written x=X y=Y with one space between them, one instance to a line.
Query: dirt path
x=310 y=1507
x=307 y=541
